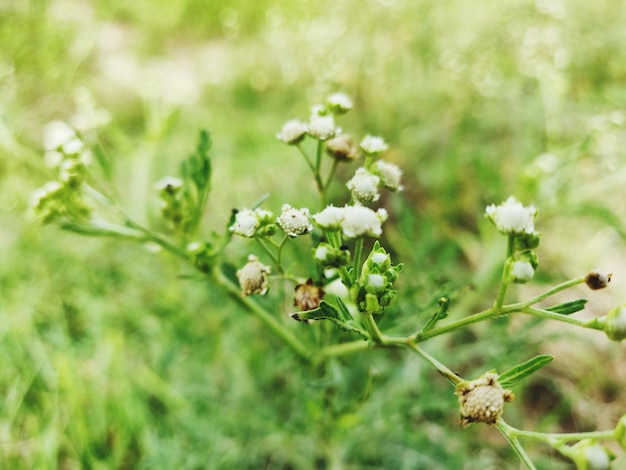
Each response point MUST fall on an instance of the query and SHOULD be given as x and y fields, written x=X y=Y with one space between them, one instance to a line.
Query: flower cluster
x=353 y=221
x=63 y=199
x=251 y=223
x=372 y=292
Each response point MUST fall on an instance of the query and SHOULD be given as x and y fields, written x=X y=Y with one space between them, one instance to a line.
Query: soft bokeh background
x=110 y=360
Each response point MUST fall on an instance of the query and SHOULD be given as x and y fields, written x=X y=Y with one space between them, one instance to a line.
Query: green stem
x=506 y=431
x=504 y=281
x=358 y=250
x=441 y=368
x=538 y=312
x=266 y=318
x=372 y=328
x=269 y=252
x=306 y=157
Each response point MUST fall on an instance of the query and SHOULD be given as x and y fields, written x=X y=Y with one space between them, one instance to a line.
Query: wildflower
x=169 y=185
x=292 y=132
x=390 y=175
x=342 y=148
x=322 y=127
x=249 y=222
x=294 y=222
x=359 y=221
x=339 y=103
x=482 y=400
x=512 y=217
x=330 y=218
x=597 y=279
x=308 y=296
x=253 y=277
x=373 y=145
x=56 y=134
x=364 y=186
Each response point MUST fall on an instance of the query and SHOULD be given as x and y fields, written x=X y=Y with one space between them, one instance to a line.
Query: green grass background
x=110 y=360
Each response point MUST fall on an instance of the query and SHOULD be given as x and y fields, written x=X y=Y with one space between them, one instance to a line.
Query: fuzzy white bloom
x=339 y=103
x=293 y=221
x=322 y=127
x=169 y=184
x=56 y=134
x=390 y=175
x=253 y=277
x=376 y=281
x=359 y=221
x=373 y=145
x=379 y=258
x=522 y=271
x=292 y=132
x=330 y=218
x=512 y=217
x=247 y=221
x=364 y=186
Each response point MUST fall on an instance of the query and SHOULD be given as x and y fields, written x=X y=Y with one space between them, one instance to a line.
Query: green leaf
x=568 y=308
x=329 y=312
x=523 y=370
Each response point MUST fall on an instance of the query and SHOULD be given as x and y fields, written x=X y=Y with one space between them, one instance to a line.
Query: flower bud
x=615 y=323
x=329 y=256
x=253 y=277
x=482 y=400
x=390 y=175
x=588 y=455
x=620 y=432
x=597 y=279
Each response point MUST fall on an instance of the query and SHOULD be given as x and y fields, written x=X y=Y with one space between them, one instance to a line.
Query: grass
x=111 y=360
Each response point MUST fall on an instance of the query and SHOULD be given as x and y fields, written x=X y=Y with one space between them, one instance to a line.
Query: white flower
x=379 y=258
x=169 y=184
x=321 y=253
x=330 y=218
x=364 y=186
x=253 y=277
x=56 y=134
x=390 y=175
x=342 y=148
x=376 y=281
x=292 y=132
x=373 y=145
x=512 y=217
x=359 y=221
x=294 y=222
x=522 y=271
x=247 y=221
x=322 y=127
x=339 y=103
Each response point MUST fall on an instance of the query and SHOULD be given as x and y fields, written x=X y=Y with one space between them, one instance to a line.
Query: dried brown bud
x=342 y=148
x=308 y=296
x=597 y=279
x=482 y=400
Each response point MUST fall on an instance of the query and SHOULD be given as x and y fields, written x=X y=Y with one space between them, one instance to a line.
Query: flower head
x=390 y=175
x=359 y=221
x=330 y=218
x=249 y=222
x=169 y=185
x=253 y=277
x=292 y=132
x=597 y=279
x=293 y=221
x=512 y=217
x=342 y=148
x=308 y=296
x=364 y=186
x=373 y=145
x=322 y=127
x=56 y=134
x=522 y=271
x=339 y=103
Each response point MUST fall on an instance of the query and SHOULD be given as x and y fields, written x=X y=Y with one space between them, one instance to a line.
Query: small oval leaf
x=523 y=370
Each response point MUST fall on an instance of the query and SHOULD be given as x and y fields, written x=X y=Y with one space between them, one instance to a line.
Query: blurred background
x=111 y=360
